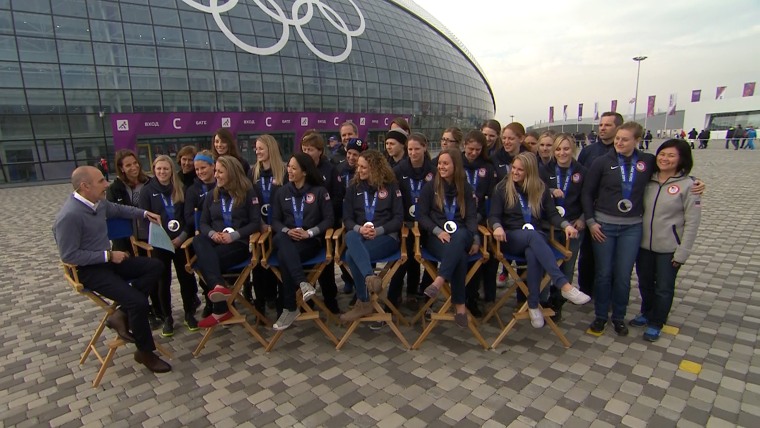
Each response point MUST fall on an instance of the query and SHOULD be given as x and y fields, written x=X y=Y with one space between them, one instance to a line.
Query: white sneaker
x=307 y=290
x=576 y=296
x=536 y=317
x=285 y=320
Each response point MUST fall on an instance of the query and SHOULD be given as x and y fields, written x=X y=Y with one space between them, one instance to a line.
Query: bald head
x=89 y=182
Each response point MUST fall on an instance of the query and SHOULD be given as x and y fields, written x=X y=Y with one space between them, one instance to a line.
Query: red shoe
x=219 y=294
x=211 y=320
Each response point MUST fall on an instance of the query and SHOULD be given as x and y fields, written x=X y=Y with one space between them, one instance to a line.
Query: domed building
x=80 y=79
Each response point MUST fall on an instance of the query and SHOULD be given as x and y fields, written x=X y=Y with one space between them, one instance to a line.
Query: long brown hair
x=380 y=172
x=119 y=161
x=227 y=138
x=178 y=194
x=238 y=184
x=276 y=163
x=458 y=179
x=532 y=185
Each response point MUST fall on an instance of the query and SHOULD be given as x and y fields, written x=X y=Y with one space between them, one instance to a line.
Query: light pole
x=638 y=60
x=511 y=118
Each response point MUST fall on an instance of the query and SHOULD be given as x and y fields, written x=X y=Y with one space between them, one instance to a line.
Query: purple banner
x=696 y=95
x=128 y=127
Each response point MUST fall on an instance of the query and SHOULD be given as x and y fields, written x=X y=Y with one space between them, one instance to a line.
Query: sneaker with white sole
x=285 y=320
x=576 y=296
x=307 y=290
x=536 y=317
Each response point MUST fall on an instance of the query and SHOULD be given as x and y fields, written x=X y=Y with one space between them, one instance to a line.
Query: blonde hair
x=532 y=185
x=238 y=184
x=178 y=193
x=458 y=179
x=562 y=137
x=275 y=161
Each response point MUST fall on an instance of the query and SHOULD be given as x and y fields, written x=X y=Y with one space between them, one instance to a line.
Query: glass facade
x=67 y=65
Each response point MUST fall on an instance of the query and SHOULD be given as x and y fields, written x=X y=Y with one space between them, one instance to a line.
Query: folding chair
x=561 y=254
x=430 y=263
x=389 y=267
x=238 y=274
x=117 y=229
x=313 y=268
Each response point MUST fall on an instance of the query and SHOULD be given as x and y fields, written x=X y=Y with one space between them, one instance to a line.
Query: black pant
x=129 y=283
x=586 y=265
x=291 y=267
x=214 y=259
x=187 y=286
x=412 y=271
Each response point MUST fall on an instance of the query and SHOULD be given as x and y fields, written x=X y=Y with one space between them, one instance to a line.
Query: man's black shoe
x=598 y=325
x=474 y=308
x=152 y=362
x=119 y=323
x=620 y=328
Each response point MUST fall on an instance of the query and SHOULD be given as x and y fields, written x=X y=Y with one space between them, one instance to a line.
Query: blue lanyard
x=472 y=180
x=369 y=210
x=563 y=186
x=266 y=188
x=204 y=188
x=298 y=213
x=450 y=209
x=415 y=187
x=627 y=178
x=525 y=208
x=168 y=206
x=346 y=178
x=227 y=211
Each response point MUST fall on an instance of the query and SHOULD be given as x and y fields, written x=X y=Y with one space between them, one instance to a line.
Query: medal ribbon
x=227 y=212
x=369 y=210
x=560 y=185
x=450 y=209
x=266 y=194
x=298 y=213
x=627 y=178
x=415 y=187
x=168 y=206
x=472 y=180
x=525 y=208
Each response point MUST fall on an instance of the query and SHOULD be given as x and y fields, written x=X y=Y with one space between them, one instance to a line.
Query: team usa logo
x=382 y=194
x=482 y=172
x=429 y=176
x=641 y=166
x=674 y=189
x=310 y=198
x=577 y=177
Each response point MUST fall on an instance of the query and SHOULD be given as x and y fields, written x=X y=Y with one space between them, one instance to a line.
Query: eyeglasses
x=449 y=140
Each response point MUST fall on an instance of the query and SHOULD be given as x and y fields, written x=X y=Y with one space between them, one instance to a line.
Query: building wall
x=67 y=66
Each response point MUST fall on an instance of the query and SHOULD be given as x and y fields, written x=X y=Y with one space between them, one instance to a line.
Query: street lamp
x=638 y=60
x=512 y=117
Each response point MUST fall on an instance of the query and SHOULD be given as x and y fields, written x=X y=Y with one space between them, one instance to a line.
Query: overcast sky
x=540 y=53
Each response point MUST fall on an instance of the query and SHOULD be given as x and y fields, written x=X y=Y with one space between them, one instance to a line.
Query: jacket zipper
x=675 y=233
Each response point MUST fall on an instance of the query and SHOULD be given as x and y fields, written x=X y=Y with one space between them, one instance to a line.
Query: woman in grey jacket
x=671 y=219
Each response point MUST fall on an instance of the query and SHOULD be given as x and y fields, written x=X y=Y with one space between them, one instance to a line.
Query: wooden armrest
x=265 y=245
x=253 y=247
x=72 y=276
x=140 y=244
x=417 y=247
x=264 y=236
x=562 y=248
x=404 y=231
x=188 y=242
x=416 y=230
x=495 y=246
x=329 y=247
x=340 y=242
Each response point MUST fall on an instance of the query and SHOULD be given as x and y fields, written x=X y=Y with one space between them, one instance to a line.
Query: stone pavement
x=529 y=380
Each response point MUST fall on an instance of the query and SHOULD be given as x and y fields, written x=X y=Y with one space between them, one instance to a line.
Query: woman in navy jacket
x=165 y=196
x=372 y=214
x=447 y=213
x=230 y=215
x=519 y=204
x=301 y=213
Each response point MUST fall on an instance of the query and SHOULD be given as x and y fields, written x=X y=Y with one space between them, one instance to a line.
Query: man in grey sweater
x=81 y=234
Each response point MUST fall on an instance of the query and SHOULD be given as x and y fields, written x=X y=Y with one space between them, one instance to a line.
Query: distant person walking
x=647 y=139
x=751 y=135
x=103 y=167
x=692 y=136
x=704 y=137
x=729 y=135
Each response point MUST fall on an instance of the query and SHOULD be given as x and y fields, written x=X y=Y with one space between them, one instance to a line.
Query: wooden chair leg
x=203 y=341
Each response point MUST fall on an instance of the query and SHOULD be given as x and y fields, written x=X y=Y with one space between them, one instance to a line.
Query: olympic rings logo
x=275 y=12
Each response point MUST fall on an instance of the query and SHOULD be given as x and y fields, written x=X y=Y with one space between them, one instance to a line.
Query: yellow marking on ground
x=669 y=329
x=690 y=366
x=593 y=333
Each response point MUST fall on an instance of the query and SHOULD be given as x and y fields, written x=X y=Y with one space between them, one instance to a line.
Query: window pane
x=195 y=38
x=192 y=19
x=253 y=102
x=70 y=51
x=168 y=36
x=8 y=50
x=227 y=81
x=270 y=64
x=41 y=6
x=293 y=84
x=55 y=150
x=144 y=78
x=104 y=31
x=41 y=50
x=199 y=59
x=171 y=57
x=165 y=16
x=272 y=83
x=294 y=102
x=312 y=103
x=146 y=101
x=229 y=101
x=225 y=61
x=32 y=24
x=274 y=102
x=142 y=56
x=202 y=80
x=176 y=101
x=250 y=82
x=80 y=101
x=104 y=10
x=137 y=33
x=69 y=7
x=78 y=76
x=41 y=75
x=291 y=66
x=110 y=54
x=15 y=126
x=72 y=28
x=174 y=80
x=44 y=101
x=86 y=125
x=10 y=75
x=116 y=101
x=135 y=13
x=12 y=101
x=203 y=101
x=113 y=77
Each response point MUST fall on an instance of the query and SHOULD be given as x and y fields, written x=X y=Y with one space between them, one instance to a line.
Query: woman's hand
x=474 y=249
x=558 y=193
x=570 y=232
x=226 y=238
x=698 y=188
x=367 y=232
x=579 y=225
x=596 y=232
x=676 y=264
x=499 y=234
x=217 y=238
x=298 y=234
x=444 y=237
x=176 y=242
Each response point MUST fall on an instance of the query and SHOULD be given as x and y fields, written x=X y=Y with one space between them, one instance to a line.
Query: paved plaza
x=706 y=374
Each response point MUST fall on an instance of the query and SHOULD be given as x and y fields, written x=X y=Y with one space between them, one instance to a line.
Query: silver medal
x=450 y=227
x=411 y=210
x=561 y=211
x=228 y=230
x=625 y=205
x=369 y=224
x=528 y=226
x=265 y=209
x=173 y=225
